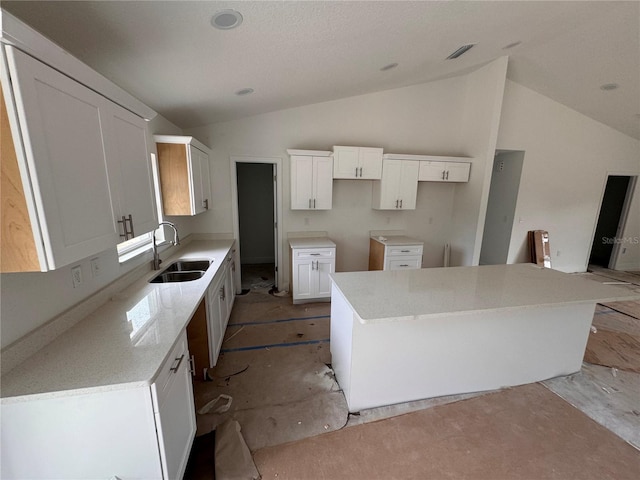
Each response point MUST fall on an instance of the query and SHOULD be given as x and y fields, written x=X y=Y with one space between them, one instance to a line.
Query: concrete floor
x=275 y=364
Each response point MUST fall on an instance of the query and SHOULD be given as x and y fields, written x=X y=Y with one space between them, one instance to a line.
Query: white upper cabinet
x=183 y=167
x=398 y=188
x=444 y=171
x=64 y=163
x=311 y=180
x=130 y=174
x=360 y=163
x=79 y=161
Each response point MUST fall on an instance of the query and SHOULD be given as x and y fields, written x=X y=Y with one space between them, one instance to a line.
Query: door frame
x=615 y=252
x=277 y=161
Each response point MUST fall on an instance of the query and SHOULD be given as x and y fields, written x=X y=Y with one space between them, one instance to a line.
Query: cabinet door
x=432 y=171
x=301 y=182
x=458 y=172
x=370 y=163
x=408 y=185
x=323 y=283
x=215 y=311
x=175 y=414
x=61 y=125
x=199 y=180
x=385 y=192
x=302 y=279
x=130 y=174
x=346 y=162
x=322 y=183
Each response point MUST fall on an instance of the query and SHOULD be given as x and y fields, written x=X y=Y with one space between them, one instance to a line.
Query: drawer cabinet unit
x=311 y=180
x=312 y=260
x=184 y=171
x=395 y=253
x=398 y=188
x=444 y=171
x=359 y=163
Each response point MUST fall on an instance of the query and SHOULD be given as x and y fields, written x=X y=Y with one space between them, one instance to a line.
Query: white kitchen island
x=398 y=336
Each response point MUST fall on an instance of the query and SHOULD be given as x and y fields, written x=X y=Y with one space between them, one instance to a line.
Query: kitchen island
x=398 y=336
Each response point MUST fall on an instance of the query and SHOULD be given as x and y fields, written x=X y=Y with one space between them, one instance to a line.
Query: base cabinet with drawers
x=312 y=260
x=138 y=432
x=395 y=253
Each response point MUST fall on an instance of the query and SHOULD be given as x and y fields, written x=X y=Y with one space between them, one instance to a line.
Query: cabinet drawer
x=403 y=263
x=404 y=250
x=314 y=253
x=178 y=356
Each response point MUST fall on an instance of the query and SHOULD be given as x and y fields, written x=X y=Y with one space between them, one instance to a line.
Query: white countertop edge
x=192 y=251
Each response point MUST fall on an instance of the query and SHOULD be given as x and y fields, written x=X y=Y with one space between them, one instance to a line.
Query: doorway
x=501 y=207
x=256 y=211
x=611 y=220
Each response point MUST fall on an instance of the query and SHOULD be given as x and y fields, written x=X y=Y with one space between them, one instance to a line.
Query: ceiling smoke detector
x=463 y=49
x=226 y=19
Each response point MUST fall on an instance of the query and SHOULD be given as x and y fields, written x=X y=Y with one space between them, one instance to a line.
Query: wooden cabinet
x=183 y=168
x=395 y=253
x=398 y=188
x=83 y=164
x=136 y=432
x=360 y=163
x=311 y=180
x=311 y=266
x=444 y=171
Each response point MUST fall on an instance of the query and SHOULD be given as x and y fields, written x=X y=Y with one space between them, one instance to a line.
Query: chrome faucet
x=176 y=241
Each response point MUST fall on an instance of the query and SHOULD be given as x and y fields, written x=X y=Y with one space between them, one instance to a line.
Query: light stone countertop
x=123 y=343
x=382 y=296
x=397 y=240
x=311 y=242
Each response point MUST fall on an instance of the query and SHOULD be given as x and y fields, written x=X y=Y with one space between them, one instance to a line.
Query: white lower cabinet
x=220 y=299
x=143 y=432
x=310 y=271
x=395 y=253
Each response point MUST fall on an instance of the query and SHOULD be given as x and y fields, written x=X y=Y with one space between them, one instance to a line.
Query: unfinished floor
x=275 y=365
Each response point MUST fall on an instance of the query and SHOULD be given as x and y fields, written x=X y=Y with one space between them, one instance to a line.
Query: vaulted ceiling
x=168 y=55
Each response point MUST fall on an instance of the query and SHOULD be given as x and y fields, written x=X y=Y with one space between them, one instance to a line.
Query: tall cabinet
x=398 y=188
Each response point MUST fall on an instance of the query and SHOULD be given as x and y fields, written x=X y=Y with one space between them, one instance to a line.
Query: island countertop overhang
x=381 y=296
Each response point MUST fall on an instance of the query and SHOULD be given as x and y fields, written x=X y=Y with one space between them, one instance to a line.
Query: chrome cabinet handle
x=447 y=174
x=223 y=294
x=396 y=203
x=400 y=203
x=443 y=172
x=127 y=231
x=175 y=369
x=206 y=203
x=403 y=265
x=356 y=171
x=309 y=203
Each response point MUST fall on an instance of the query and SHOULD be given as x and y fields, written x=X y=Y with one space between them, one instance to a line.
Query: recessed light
x=244 y=91
x=226 y=19
x=511 y=45
x=609 y=86
x=389 y=67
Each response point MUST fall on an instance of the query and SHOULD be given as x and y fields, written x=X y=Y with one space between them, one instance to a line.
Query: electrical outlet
x=76 y=276
x=95 y=267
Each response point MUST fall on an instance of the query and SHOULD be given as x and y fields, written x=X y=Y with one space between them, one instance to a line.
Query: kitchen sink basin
x=182 y=271
x=188 y=265
x=167 y=277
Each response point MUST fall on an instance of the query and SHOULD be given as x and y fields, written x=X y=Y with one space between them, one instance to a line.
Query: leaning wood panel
x=16 y=242
x=174 y=178
x=376 y=255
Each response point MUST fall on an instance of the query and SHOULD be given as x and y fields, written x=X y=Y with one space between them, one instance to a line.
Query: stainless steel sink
x=167 y=277
x=188 y=265
x=182 y=271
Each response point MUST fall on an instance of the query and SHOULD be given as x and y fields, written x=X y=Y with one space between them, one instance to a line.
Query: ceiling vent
x=463 y=49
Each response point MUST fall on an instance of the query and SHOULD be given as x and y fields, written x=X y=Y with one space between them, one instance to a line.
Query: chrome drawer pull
x=175 y=369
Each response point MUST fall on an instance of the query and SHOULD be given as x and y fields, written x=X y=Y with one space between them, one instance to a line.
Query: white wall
x=31 y=299
x=567 y=159
x=421 y=119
